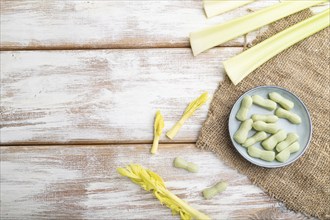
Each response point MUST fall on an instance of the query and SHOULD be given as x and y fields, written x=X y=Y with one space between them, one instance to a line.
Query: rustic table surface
x=80 y=84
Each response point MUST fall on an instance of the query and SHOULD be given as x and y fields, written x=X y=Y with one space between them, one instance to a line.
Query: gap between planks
x=77 y=143
x=84 y=47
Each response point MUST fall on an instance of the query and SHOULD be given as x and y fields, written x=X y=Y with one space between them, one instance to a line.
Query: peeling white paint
x=152 y=23
x=103 y=95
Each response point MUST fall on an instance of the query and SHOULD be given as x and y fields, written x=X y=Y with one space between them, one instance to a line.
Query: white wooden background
x=80 y=84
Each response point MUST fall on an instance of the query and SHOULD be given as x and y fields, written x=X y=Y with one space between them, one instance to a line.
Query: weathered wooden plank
x=103 y=95
x=80 y=182
x=108 y=24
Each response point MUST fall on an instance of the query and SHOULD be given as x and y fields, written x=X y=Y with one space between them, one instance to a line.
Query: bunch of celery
x=240 y=66
x=218 y=34
x=151 y=181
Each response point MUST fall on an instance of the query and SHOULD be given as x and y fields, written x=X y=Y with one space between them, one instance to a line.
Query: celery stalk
x=192 y=107
x=241 y=65
x=151 y=181
x=216 y=7
x=218 y=34
x=158 y=128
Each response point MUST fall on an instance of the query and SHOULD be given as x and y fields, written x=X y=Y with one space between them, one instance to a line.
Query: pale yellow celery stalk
x=151 y=181
x=192 y=107
x=158 y=128
x=241 y=65
x=218 y=34
x=216 y=7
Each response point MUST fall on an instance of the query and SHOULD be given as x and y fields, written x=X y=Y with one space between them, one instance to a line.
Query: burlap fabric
x=304 y=70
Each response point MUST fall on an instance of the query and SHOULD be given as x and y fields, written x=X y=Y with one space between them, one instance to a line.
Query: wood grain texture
x=110 y=96
x=103 y=96
x=80 y=182
x=108 y=24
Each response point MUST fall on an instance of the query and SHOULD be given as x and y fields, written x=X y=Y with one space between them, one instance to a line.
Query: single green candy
x=292 y=137
x=244 y=109
x=265 y=103
x=285 y=154
x=265 y=118
x=272 y=141
x=261 y=154
x=285 y=103
x=214 y=190
x=241 y=134
x=259 y=136
x=290 y=116
x=179 y=162
x=270 y=128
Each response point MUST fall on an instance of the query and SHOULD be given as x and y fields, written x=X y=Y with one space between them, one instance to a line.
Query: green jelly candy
x=285 y=103
x=241 y=134
x=292 y=137
x=265 y=103
x=284 y=155
x=290 y=116
x=271 y=142
x=265 y=118
x=214 y=190
x=270 y=128
x=179 y=162
x=244 y=109
x=259 y=136
x=261 y=154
